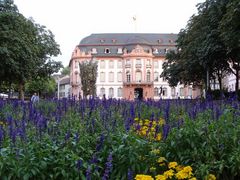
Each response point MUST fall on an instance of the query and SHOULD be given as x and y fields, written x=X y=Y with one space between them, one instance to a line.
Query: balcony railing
x=148 y=66
x=137 y=82
x=127 y=65
x=138 y=65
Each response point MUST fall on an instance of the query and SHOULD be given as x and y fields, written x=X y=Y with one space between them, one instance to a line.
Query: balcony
x=148 y=65
x=138 y=65
x=127 y=65
x=137 y=82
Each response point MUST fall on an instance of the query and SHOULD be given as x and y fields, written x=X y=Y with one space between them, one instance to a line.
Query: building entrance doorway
x=138 y=93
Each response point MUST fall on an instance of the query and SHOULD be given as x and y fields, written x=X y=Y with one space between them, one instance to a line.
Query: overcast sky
x=72 y=20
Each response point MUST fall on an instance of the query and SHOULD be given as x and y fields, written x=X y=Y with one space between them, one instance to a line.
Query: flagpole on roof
x=135 y=23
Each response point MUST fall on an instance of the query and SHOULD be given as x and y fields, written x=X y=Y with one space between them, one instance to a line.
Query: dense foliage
x=208 y=47
x=26 y=48
x=88 y=74
x=117 y=139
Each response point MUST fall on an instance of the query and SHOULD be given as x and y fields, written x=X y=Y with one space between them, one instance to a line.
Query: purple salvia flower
x=79 y=164
x=166 y=129
x=88 y=173
x=130 y=174
x=108 y=167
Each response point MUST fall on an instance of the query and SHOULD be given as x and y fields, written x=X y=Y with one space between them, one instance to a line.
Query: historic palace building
x=129 y=66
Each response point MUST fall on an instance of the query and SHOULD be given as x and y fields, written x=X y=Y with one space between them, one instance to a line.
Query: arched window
x=148 y=76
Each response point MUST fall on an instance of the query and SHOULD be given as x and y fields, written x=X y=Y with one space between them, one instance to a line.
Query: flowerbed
x=116 y=139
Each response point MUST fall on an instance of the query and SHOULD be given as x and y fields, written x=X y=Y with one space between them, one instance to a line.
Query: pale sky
x=72 y=20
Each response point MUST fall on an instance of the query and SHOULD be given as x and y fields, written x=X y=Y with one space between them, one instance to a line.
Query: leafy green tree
x=65 y=71
x=230 y=33
x=45 y=87
x=201 y=54
x=26 y=48
x=88 y=74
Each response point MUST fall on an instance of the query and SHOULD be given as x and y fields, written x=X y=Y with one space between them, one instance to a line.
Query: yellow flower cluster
x=2 y=123
x=143 y=177
x=211 y=177
x=148 y=128
x=174 y=171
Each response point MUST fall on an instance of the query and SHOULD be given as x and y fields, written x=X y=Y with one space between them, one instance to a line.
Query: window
x=128 y=76
x=107 y=50
x=102 y=64
x=119 y=76
x=155 y=51
x=164 y=91
x=76 y=64
x=119 y=65
x=111 y=92
x=190 y=92
x=155 y=91
x=62 y=87
x=148 y=76
x=164 y=79
x=111 y=64
x=119 y=51
x=173 y=92
x=120 y=92
x=138 y=61
x=94 y=51
x=138 y=76
x=128 y=61
x=102 y=91
x=102 y=77
x=148 y=62
x=156 y=64
x=181 y=91
x=111 y=77
x=155 y=76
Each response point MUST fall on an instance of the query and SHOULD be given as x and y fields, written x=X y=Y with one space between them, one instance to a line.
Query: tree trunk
x=237 y=80
x=21 y=91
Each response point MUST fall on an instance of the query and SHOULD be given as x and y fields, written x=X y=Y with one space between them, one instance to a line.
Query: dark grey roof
x=129 y=38
x=65 y=80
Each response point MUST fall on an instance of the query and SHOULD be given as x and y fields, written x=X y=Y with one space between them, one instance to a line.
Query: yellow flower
x=193 y=178
x=136 y=119
x=187 y=169
x=211 y=177
x=181 y=175
x=161 y=121
x=158 y=137
x=160 y=177
x=179 y=168
x=155 y=151
x=143 y=177
x=172 y=165
x=161 y=160
x=169 y=173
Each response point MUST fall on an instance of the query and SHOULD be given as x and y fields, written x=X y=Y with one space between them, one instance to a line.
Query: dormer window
x=170 y=41
x=94 y=51
x=160 y=41
x=119 y=51
x=102 y=40
x=107 y=51
x=114 y=40
x=155 y=51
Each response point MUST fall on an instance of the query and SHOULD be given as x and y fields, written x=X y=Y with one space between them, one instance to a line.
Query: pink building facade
x=129 y=66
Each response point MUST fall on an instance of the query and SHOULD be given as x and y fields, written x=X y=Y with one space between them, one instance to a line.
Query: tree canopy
x=26 y=48
x=88 y=74
x=206 y=45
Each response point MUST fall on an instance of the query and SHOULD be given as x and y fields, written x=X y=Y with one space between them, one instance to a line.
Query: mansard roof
x=129 y=38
